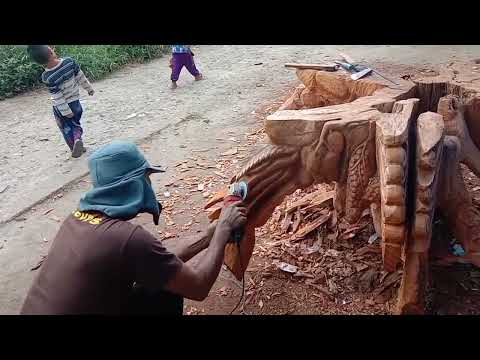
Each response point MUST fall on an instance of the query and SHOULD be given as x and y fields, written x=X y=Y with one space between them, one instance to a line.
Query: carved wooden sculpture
x=428 y=156
x=395 y=150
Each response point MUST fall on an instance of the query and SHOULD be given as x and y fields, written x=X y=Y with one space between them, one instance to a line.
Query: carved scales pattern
x=268 y=154
x=357 y=182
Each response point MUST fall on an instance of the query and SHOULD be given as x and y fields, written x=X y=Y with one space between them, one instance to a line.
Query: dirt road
x=197 y=120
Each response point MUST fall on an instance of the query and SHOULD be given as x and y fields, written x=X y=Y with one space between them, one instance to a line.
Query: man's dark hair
x=38 y=53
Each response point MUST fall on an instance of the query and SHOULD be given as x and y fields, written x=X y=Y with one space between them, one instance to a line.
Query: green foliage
x=19 y=73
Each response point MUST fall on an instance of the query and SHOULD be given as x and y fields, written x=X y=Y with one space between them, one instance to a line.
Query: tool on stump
x=360 y=74
x=355 y=68
x=376 y=72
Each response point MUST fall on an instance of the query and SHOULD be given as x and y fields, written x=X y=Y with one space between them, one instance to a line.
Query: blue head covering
x=120 y=188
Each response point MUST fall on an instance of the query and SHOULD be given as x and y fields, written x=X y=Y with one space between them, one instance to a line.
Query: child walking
x=182 y=56
x=63 y=77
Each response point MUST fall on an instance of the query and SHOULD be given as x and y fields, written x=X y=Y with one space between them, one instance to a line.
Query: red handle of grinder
x=230 y=199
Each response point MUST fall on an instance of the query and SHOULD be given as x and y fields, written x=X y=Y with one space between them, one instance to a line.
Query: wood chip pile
x=312 y=243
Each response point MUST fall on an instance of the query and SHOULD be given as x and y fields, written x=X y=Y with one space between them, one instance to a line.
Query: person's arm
x=188 y=249
x=155 y=268
x=195 y=282
x=82 y=80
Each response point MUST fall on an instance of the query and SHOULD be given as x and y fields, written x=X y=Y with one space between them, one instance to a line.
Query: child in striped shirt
x=63 y=77
x=182 y=56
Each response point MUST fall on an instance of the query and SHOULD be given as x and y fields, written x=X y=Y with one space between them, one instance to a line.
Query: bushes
x=18 y=73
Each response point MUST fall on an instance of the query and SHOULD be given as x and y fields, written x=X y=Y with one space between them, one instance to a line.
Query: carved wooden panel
x=429 y=150
x=392 y=159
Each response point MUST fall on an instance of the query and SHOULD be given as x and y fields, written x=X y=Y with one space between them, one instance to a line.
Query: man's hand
x=195 y=282
x=171 y=63
x=233 y=216
x=91 y=92
x=70 y=115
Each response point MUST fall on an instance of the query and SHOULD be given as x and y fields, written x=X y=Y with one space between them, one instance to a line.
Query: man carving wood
x=100 y=263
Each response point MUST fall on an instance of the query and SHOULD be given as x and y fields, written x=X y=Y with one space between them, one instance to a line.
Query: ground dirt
x=187 y=131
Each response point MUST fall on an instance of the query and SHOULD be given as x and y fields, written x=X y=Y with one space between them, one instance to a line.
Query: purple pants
x=70 y=127
x=179 y=60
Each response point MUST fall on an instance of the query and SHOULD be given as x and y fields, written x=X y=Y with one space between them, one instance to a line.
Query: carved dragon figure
x=395 y=150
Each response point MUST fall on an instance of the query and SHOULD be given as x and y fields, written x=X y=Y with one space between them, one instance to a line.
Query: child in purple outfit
x=182 y=56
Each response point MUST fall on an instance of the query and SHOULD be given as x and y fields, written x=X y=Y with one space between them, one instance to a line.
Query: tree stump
x=394 y=149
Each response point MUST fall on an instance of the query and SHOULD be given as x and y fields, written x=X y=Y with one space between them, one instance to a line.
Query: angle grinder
x=236 y=192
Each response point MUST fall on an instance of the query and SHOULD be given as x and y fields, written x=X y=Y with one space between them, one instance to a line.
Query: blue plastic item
x=458 y=250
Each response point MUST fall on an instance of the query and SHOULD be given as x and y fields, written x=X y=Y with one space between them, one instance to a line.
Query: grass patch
x=18 y=73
